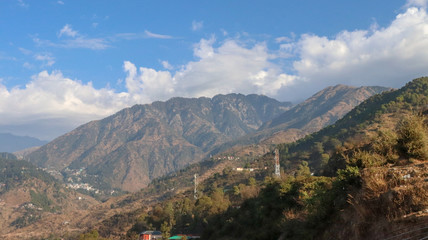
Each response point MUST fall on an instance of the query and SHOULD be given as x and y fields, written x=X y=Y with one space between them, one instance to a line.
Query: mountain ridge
x=130 y=148
x=136 y=144
x=320 y=110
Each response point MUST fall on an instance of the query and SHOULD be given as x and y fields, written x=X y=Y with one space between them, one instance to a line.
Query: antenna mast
x=277 y=168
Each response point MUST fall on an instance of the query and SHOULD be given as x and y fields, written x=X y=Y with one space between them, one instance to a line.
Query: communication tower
x=277 y=168
x=195 y=191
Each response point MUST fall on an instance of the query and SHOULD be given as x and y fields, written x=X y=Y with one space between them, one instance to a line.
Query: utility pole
x=277 y=168
x=195 y=191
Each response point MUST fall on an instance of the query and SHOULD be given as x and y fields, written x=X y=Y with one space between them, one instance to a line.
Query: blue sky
x=64 y=63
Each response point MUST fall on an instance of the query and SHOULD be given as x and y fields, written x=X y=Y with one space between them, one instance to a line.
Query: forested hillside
x=29 y=195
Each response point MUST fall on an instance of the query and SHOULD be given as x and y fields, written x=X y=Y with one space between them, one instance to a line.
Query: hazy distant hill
x=11 y=143
x=135 y=145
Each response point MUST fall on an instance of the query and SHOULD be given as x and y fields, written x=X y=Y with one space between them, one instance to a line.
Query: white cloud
x=167 y=65
x=46 y=58
x=82 y=42
x=145 y=34
x=25 y=51
x=21 y=3
x=70 y=38
x=73 y=40
x=283 y=39
x=147 y=84
x=49 y=97
x=231 y=67
x=197 y=25
x=155 y=35
x=416 y=3
x=28 y=65
x=204 y=48
x=79 y=42
x=67 y=31
x=224 y=69
x=60 y=2
x=224 y=32
x=4 y=56
x=388 y=56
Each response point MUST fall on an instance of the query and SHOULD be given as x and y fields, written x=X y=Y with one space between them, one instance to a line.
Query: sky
x=64 y=63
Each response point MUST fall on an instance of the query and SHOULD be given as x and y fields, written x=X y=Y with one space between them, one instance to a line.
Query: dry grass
x=390 y=198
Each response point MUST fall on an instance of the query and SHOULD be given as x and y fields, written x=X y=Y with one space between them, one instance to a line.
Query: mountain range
x=366 y=179
x=130 y=148
x=341 y=156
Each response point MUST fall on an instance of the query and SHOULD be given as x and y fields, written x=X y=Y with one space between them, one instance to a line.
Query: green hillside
x=30 y=198
x=15 y=172
x=412 y=98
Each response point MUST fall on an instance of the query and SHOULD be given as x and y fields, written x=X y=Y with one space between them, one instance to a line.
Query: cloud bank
x=53 y=104
x=388 y=56
x=226 y=69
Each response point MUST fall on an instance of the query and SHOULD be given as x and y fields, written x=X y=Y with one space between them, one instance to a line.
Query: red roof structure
x=150 y=235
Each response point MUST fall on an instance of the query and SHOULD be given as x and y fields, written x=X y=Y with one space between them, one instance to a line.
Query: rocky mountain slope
x=130 y=148
x=322 y=109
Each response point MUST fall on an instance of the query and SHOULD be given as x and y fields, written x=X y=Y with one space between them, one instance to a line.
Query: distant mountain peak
x=335 y=101
x=12 y=143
